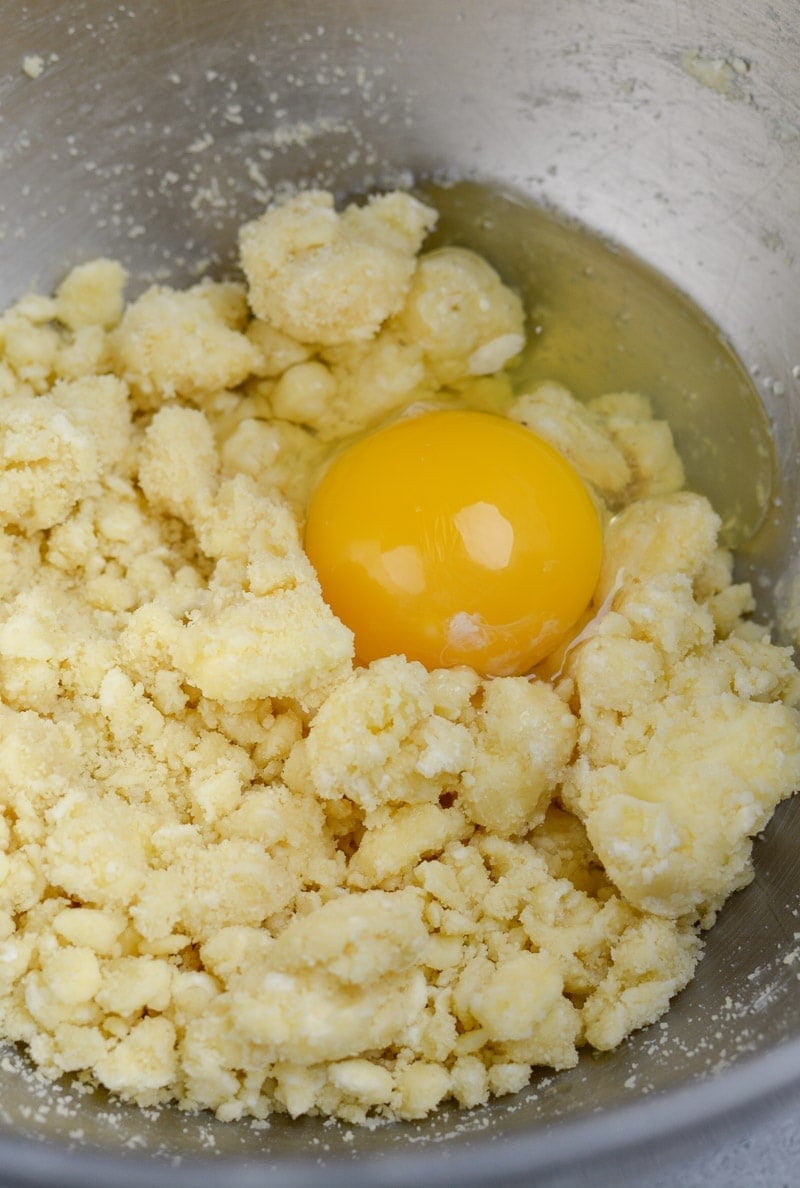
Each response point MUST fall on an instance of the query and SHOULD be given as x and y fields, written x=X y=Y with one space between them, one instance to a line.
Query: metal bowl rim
x=566 y=1144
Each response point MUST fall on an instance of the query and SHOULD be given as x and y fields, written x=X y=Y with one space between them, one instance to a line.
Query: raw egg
x=455 y=537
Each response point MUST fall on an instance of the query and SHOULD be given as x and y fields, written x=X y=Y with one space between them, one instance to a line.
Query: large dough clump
x=239 y=872
x=331 y=278
x=689 y=735
x=184 y=344
x=461 y=315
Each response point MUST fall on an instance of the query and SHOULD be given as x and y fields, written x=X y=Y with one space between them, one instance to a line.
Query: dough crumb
x=33 y=65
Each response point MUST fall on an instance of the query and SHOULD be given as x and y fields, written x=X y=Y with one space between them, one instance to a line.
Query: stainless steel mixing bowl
x=674 y=130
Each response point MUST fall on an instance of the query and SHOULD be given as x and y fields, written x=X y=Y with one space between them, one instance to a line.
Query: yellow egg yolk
x=455 y=537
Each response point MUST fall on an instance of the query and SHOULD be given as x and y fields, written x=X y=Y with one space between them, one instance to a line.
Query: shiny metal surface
x=153 y=129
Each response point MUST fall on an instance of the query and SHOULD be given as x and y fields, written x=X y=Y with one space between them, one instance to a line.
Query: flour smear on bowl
x=239 y=871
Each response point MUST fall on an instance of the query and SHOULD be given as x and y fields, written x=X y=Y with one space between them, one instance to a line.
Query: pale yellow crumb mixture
x=237 y=871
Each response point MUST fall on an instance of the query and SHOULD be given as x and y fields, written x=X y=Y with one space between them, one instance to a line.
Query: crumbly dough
x=239 y=872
